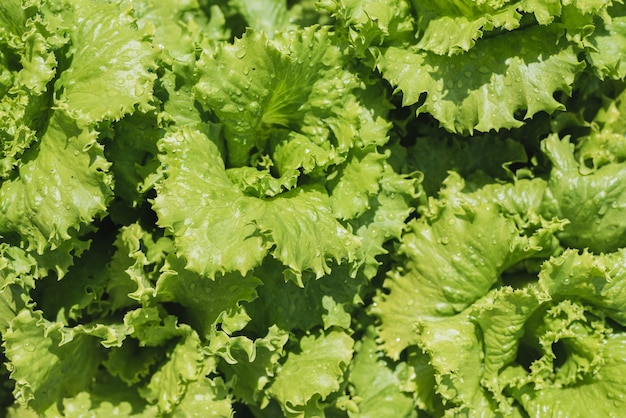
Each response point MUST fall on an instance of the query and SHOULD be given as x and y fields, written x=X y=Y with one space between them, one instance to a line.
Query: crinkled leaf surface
x=68 y=166
x=219 y=229
x=206 y=299
x=320 y=367
x=376 y=386
x=111 y=62
x=484 y=88
x=44 y=370
x=593 y=202
x=598 y=393
x=453 y=257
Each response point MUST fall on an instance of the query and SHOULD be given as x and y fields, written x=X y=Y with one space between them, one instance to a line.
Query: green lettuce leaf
x=252 y=367
x=320 y=366
x=449 y=27
x=451 y=258
x=487 y=87
x=297 y=81
x=597 y=393
x=220 y=229
x=269 y=16
x=111 y=63
x=326 y=301
x=69 y=167
x=372 y=22
x=608 y=43
x=376 y=388
x=596 y=280
x=184 y=365
x=44 y=367
x=593 y=201
x=192 y=292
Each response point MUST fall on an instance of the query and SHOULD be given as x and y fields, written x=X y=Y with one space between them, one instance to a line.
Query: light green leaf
x=599 y=393
x=252 y=367
x=358 y=182
x=452 y=257
x=593 y=201
x=12 y=18
x=501 y=317
x=376 y=386
x=184 y=365
x=62 y=184
x=608 y=44
x=44 y=368
x=451 y=26
x=597 y=280
x=192 y=291
x=485 y=88
x=372 y=22
x=385 y=217
x=318 y=368
x=23 y=116
x=205 y=398
x=112 y=63
x=295 y=81
x=456 y=356
x=219 y=229
x=269 y=16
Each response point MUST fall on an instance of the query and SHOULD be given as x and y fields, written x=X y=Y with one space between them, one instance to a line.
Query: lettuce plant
x=329 y=208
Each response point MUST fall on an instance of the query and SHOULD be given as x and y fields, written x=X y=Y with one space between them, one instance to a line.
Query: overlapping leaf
x=219 y=229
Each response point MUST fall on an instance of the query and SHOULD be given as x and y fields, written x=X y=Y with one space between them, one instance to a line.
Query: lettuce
x=312 y=209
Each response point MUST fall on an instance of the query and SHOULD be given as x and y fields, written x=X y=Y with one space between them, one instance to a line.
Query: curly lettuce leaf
x=449 y=27
x=488 y=86
x=451 y=258
x=319 y=366
x=607 y=45
x=501 y=317
x=111 y=63
x=69 y=169
x=44 y=367
x=192 y=291
x=384 y=217
x=184 y=365
x=297 y=82
x=269 y=16
x=217 y=228
x=27 y=65
x=593 y=201
x=597 y=393
x=252 y=365
x=596 y=280
x=372 y=22
x=326 y=301
x=375 y=386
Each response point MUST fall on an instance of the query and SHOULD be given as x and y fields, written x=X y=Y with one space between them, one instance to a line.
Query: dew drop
x=254 y=107
x=240 y=53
